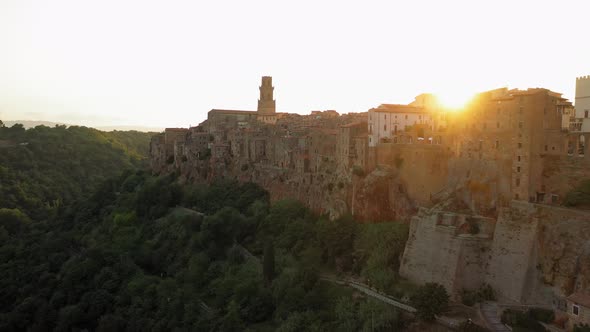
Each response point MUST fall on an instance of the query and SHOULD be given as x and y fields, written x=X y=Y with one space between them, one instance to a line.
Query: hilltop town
x=487 y=190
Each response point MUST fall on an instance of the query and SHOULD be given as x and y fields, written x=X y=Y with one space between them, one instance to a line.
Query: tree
x=269 y=262
x=430 y=300
x=13 y=220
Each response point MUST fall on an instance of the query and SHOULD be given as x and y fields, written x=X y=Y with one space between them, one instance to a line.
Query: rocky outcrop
x=381 y=195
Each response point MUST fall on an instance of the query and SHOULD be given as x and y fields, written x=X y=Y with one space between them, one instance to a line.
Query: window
x=546 y=147
x=575 y=309
x=586 y=113
x=518 y=169
x=497 y=144
x=385 y=127
x=516 y=196
x=518 y=182
x=520 y=145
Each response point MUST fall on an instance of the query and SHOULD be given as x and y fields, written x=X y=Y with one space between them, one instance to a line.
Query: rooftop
x=398 y=108
x=215 y=110
x=580 y=298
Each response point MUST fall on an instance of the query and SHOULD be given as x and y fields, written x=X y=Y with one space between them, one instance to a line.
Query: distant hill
x=32 y=124
x=41 y=168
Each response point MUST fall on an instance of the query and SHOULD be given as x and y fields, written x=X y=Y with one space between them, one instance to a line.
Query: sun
x=454 y=100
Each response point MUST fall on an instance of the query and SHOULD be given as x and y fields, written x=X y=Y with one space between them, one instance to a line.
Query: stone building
x=388 y=121
x=346 y=148
x=578 y=309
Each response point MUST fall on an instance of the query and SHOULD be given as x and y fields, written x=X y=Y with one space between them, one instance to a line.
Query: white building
x=387 y=120
x=582 y=120
x=583 y=97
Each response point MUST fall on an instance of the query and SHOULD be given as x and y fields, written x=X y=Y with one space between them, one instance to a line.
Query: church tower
x=266 y=103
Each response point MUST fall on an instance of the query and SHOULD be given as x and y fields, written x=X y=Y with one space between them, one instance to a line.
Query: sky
x=167 y=63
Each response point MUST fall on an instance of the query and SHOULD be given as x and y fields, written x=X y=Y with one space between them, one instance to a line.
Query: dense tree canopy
x=43 y=168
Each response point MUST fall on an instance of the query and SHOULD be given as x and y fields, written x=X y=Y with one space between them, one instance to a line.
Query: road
x=367 y=290
x=489 y=311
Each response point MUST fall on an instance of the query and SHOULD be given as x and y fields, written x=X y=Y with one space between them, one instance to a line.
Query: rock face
x=530 y=254
x=564 y=249
x=381 y=196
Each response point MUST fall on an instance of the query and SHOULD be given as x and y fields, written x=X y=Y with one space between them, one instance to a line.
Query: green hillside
x=42 y=168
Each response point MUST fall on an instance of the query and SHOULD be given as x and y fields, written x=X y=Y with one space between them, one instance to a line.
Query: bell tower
x=266 y=103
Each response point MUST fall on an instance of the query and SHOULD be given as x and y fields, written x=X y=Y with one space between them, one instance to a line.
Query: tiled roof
x=580 y=298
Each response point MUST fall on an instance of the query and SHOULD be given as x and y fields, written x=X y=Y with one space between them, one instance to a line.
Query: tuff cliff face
x=530 y=253
x=564 y=249
x=381 y=196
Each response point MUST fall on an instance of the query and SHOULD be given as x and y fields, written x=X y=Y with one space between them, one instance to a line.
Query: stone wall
x=441 y=248
x=511 y=252
x=533 y=254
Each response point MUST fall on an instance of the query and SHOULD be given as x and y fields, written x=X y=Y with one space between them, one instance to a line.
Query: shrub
x=358 y=171
x=542 y=315
x=430 y=300
x=580 y=196
x=582 y=328
x=484 y=293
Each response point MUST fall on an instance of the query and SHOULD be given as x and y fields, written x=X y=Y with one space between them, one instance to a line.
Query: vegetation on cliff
x=580 y=196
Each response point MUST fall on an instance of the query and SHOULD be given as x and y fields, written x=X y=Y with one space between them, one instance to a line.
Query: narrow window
x=576 y=309
x=518 y=169
x=518 y=182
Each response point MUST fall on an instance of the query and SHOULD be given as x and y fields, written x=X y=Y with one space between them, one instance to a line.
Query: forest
x=91 y=241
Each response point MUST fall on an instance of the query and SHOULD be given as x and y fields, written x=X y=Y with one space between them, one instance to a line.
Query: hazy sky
x=167 y=63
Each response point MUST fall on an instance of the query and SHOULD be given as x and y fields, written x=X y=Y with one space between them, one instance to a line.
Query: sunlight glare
x=454 y=100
